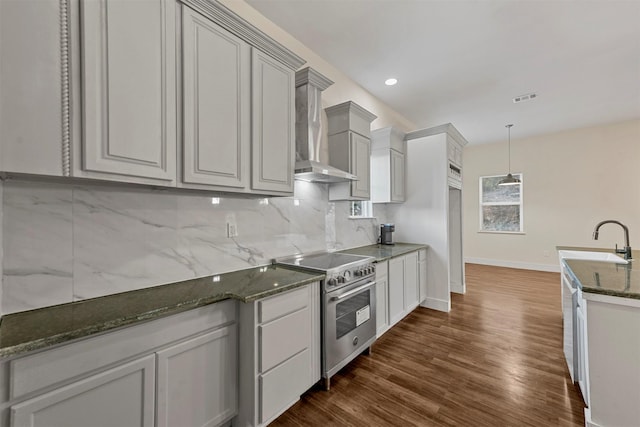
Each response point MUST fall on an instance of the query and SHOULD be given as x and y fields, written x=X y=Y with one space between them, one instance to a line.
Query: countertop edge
x=141 y=317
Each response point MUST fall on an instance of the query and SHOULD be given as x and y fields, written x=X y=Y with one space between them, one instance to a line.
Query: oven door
x=349 y=323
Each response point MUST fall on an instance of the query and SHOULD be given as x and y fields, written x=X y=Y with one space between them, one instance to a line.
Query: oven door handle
x=354 y=291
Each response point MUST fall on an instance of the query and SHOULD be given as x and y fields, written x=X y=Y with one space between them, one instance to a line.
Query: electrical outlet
x=232 y=230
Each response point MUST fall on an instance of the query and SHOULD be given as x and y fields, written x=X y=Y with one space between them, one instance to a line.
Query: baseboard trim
x=514 y=264
x=588 y=422
x=437 y=304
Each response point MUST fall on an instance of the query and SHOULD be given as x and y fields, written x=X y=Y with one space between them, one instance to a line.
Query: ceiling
x=464 y=61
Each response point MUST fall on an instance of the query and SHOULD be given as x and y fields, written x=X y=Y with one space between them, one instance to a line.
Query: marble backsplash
x=68 y=242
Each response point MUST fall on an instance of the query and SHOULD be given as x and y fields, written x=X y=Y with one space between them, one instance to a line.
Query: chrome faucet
x=627 y=248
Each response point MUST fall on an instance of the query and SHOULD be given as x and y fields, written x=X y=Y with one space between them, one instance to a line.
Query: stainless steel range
x=348 y=306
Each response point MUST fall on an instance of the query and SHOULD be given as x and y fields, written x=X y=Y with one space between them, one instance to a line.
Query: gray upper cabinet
x=273 y=124
x=129 y=88
x=216 y=82
x=350 y=149
x=161 y=92
x=388 y=166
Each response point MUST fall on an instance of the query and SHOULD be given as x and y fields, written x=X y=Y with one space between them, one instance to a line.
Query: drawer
x=283 y=385
x=382 y=269
x=282 y=304
x=284 y=337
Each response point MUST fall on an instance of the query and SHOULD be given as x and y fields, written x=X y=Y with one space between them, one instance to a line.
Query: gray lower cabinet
x=180 y=370
x=382 y=298
x=273 y=125
x=279 y=353
x=411 y=289
x=404 y=282
x=197 y=380
x=396 y=290
x=422 y=274
x=122 y=396
x=216 y=92
x=129 y=88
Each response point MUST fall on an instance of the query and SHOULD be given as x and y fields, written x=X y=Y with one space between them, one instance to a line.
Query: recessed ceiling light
x=391 y=81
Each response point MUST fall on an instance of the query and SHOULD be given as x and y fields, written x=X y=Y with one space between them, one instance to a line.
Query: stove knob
x=332 y=282
x=373 y=268
x=359 y=273
x=340 y=279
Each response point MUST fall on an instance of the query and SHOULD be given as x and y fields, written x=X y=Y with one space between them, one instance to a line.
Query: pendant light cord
x=509 y=129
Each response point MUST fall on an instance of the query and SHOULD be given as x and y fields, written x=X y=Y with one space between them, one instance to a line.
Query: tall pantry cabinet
x=432 y=211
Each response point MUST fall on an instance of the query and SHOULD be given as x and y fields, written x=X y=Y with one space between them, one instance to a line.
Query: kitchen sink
x=592 y=256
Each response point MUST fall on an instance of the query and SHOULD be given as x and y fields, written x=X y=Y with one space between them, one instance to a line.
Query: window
x=500 y=205
x=361 y=209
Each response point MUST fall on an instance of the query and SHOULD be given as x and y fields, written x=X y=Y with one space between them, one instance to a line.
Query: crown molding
x=230 y=21
x=310 y=76
x=447 y=128
x=351 y=106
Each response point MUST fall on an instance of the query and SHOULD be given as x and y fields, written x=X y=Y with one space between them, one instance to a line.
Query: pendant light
x=509 y=179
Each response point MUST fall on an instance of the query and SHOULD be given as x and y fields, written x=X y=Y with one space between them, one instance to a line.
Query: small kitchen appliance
x=348 y=305
x=385 y=234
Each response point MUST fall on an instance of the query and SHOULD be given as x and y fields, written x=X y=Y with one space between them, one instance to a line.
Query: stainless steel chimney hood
x=309 y=130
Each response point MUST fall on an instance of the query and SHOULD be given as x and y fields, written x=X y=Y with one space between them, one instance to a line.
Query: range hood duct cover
x=309 y=130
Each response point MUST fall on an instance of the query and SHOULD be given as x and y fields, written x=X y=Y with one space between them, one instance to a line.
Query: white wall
x=343 y=89
x=572 y=180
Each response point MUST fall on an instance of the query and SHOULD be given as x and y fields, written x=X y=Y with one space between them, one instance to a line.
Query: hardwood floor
x=495 y=360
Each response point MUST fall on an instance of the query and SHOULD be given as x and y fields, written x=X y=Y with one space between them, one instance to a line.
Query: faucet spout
x=627 y=247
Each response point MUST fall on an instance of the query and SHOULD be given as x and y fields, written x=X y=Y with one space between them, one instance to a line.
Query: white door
x=410 y=281
x=129 y=87
x=382 y=306
x=422 y=275
x=273 y=125
x=396 y=290
x=197 y=380
x=122 y=396
x=216 y=74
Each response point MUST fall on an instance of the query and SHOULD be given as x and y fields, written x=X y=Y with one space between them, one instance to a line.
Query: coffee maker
x=385 y=234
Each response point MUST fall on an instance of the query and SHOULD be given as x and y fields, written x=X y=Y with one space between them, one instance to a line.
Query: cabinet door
x=422 y=275
x=129 y=87
x=216 y=74
x=122 y=396
x=382 y=305
x=396 y=290
x=397 y=176
x=273 y=125
x=411 y=281
x=197 y=380
x=360 y=163
x=581 y=342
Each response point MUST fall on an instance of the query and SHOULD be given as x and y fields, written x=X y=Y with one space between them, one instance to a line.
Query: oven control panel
x=347 y=276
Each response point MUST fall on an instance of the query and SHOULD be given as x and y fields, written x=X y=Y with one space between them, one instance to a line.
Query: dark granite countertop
x=37 y=329
x=385 y=252
x=605 y=278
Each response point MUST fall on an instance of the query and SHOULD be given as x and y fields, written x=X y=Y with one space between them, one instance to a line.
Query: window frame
x=482 y=204
x=366 y=208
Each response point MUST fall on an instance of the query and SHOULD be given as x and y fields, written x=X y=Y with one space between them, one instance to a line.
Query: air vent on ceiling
x=527 y=97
